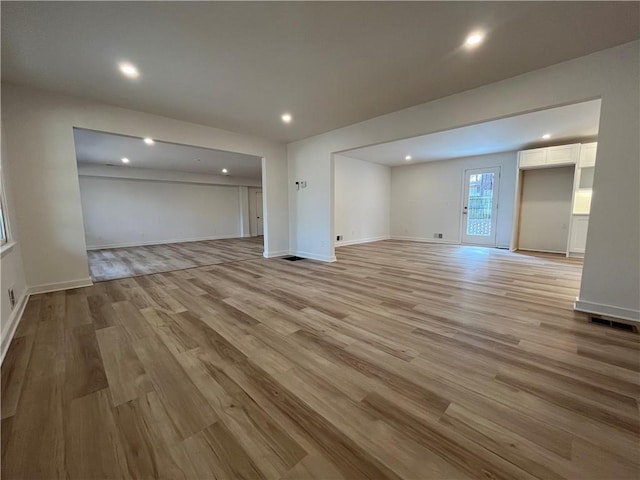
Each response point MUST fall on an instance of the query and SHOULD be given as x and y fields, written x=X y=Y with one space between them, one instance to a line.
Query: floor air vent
x=293 y=258
x=613 y=324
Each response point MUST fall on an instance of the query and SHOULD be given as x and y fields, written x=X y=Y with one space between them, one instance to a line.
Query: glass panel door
x=479 y=212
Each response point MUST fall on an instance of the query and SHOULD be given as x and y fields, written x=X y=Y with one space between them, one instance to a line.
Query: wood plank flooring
x=401 y=360
x=114 y=263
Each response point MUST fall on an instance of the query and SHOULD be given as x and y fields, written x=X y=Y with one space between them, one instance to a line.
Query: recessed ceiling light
x=224 y=170
x=474 y=39
x=546 y=136
x=286 y=118
x=408 y=157
x=125 y=160
x=129 y=70
x=149 y=141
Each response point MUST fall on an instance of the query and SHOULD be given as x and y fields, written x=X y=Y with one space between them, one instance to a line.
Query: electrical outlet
x=12 y=298
x=339 y=237
x=437 y=235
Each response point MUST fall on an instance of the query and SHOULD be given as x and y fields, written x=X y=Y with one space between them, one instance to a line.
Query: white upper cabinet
x=532 y=158
x=563 y=155
x=588 y=155
x=549 y=156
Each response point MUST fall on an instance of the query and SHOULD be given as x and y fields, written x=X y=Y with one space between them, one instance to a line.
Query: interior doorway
x=480 y=206
x=259 y=215
x=151 y=206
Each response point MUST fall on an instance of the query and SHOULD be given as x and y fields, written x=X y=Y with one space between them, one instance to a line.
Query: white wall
x=122 y=212
x=545 y=209
x=362 y=200
x=43 y=171
x=426 y=198
x=12 y=271
x=614 y=226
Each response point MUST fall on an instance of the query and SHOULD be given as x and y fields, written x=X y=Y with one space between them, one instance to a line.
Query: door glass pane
x=480 y=204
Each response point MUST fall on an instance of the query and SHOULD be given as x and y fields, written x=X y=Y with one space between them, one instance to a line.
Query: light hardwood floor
x=113 y=263
x=401 y=360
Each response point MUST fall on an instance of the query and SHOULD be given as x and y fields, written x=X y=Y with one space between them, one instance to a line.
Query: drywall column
x=243 y=193
x=611 y=273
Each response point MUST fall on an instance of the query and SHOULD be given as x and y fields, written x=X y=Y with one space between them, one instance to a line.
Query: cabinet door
x=588 y=155
x=578 y=240
x=564 y=154
x=532 y=158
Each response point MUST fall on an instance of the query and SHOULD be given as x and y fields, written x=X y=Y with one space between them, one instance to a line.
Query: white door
x=480 y=207
x=259 y=213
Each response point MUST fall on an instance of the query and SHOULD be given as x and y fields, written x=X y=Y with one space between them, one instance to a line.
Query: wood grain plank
x=84 y=370
x=186 y=406
x=126 y=375
x=93 y=448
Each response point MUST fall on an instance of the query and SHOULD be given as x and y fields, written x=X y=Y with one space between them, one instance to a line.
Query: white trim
x=155 y=242
x=280 y=253
x=426 y=240
x=447 y=242
x=539 y=250
x=7 y=247
x=12 y=324
x=608 y=310
x=57 y=286
x=343 y=243
x=314 y=256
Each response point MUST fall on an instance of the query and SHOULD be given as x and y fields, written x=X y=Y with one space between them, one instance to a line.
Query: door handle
x=464 y=212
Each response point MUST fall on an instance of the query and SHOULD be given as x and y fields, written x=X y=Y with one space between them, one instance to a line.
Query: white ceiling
x=565 y=123
x=240 y=65
x=98 y=148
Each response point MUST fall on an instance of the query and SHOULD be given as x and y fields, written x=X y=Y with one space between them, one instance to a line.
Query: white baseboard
x=607 y=310
x=447 y=242
x=12 y=324
x=280 y=253
x=534 y=250
x=426 y=240
x=156 y=242
x=344 y=243
x=314 y=256
x=57 y=286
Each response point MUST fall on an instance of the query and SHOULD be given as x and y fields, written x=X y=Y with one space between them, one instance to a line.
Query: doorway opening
x=464 y=186
x=257 y=213
x=151 y=206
